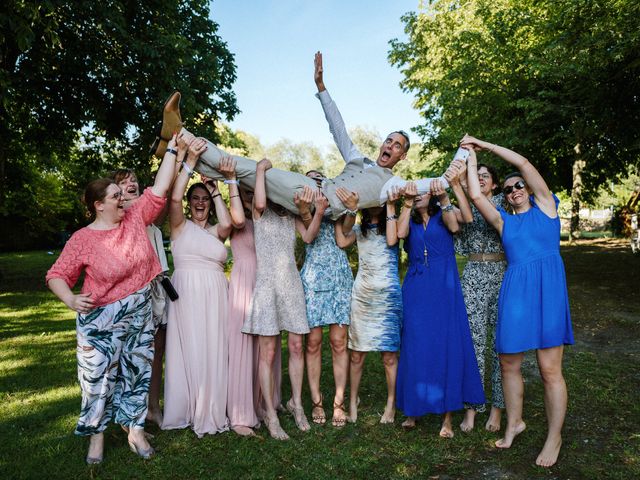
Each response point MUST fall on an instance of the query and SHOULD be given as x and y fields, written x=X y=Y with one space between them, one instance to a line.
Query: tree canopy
x=82 y=88
x=558 y=82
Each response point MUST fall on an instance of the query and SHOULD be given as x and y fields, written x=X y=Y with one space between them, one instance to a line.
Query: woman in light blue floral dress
x=327 y=281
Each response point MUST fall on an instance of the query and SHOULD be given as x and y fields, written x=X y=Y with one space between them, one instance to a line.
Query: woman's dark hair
x=95 y=191
x=366 y=221
x=432 y=209
x=121 y=174
x=212 y=210
x=495 y=178
x=512 y=175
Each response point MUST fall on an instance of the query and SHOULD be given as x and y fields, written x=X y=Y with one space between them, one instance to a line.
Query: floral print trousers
x=115 y=353
x=481 y=286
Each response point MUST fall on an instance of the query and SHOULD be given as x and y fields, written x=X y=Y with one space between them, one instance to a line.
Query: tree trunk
x=576 y=193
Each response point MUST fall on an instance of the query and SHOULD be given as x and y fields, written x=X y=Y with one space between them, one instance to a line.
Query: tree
x=556 y=81
x=102 y=68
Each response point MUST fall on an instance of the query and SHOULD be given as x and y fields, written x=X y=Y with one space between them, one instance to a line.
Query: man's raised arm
x=336 y=125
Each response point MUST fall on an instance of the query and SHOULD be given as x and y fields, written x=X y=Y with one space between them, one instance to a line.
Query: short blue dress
x=376 y=303
x=327 y=280
x=438 y=371
x=533 y=307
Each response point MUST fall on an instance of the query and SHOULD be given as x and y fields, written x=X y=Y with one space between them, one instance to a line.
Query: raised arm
x=191 y=148
x=456 y=170
x=310 y=233
x=166 y=172
x=344 y=227
x=448 y=214
x=336 y=125
x=260 y=192
x=392 y=225
x=228 y=170
x=410 y=193
x=534 y=180
x=223 y=228
x=482 y=203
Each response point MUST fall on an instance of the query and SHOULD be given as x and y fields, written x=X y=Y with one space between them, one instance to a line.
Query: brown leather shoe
x=171 y=122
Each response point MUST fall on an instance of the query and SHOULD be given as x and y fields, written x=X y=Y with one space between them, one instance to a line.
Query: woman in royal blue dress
x=438 y=371
x=533 y=307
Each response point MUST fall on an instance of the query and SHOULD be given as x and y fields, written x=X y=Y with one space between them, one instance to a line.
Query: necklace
x=424 y=243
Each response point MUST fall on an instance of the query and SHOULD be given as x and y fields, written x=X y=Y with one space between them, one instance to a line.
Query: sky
x=274 y=42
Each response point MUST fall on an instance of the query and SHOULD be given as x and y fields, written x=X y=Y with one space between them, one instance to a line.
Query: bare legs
x=390 y=360
x=446 y=431
x=555 y=398
x=313 y=356
x=340 y=356
x=154 y=413
x=265 y=374
x=513 y=385
x=493 y=422
x=296 y=374
x=555 y=401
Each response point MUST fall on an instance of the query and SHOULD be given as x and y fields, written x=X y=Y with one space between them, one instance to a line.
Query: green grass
x=40 y=398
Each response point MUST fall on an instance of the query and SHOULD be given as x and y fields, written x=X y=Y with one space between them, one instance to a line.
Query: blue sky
x=274 y=42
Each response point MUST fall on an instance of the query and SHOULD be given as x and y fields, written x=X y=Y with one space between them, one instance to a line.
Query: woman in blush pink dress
x=196 y=353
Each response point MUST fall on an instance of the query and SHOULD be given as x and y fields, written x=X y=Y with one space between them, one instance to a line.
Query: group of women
x=433 y=333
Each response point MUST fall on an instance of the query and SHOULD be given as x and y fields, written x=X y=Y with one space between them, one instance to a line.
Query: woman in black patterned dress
x=481 y=280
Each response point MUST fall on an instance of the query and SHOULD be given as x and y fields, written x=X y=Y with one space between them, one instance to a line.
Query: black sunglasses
x=519 y=185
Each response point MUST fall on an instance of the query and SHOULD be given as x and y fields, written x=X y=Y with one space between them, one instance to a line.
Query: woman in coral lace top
x=114 y=324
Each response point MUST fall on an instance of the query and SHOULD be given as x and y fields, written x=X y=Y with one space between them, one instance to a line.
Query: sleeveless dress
x=437 y=372
x=533 y=308
x=327 y=280
x=195 y=389
x=376 y=303
x=244 y=401
x=278 y=298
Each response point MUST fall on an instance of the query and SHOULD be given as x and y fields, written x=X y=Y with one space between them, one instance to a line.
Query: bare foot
x=493 y=424
x=96 y=448
x=409 y=423
x=339 y=416
x=389 y=415
x=353 y=412
x=298 y=415
x=154 y=416
x=510 y=434
x=469 y=420
x=549 y=454
x=275 y=430
x=244 y=431
x=447 y=430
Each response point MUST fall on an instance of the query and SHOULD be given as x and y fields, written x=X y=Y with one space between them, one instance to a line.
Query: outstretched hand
x=196 y=148
x=437 y=189
x=394 y=194
x=264 y=164
x=320 y=201
x=349 y=199
x=303 y=199
x=317 y=74
x=227 y=167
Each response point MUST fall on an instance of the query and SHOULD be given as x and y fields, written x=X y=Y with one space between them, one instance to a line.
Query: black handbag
x=168 y=287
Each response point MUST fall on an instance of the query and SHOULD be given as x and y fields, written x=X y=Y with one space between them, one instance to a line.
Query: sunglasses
x=519 y=185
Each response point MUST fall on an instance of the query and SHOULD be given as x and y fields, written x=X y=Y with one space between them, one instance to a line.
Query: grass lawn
x=40 y=400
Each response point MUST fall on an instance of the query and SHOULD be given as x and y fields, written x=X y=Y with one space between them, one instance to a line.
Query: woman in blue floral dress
x=327 y=281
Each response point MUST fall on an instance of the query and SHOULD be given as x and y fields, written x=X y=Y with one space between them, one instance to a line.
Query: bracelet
x=217 y=195
x=172 y=151
x=232 y=196
x=231 y=182
x=187 y=169
x=447 y=208
x=391 y=218
x=353 y=213
x=407 y=206
x=493 y=145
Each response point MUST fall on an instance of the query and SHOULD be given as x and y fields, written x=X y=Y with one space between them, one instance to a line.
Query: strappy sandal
x=339 y=422
x=298 y=415
x=274 y=428
x=320 y=418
